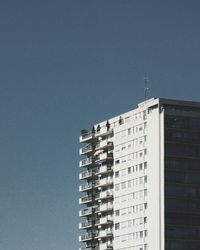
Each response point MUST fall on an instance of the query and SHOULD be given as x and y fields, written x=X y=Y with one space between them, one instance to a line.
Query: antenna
x=146 y=88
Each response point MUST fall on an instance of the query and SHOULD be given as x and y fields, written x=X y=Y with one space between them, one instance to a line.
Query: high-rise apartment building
x=140 y=179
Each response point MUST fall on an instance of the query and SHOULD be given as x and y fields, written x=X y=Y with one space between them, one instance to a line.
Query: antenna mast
x=146 y=88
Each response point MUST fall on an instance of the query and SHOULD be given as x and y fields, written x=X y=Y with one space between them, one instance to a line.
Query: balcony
x=85 y=212
x=85 y=237
x=106 y=220
x=105 y=233
x=85 y=175
x=85 y=199
x=104 y=156
x=89 y=211
x=86 y=136
x=106 y=246
x=85 y=187
x=103 y=169
x=88 y=236
x=105 y=207
x=104 y=144
x=85 y=224
x=103 y=132
x=86 y=162
x=104 y=182
x=106 y=195
x=86 y=150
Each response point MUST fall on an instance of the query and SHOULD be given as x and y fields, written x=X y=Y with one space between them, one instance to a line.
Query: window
x=129 y=210
x=123 y=224
x=123 y=237
x=123 y=185
x=116 y=174
x=145 y=165
x=123 y=211
x=116 y=226
x=129 y=223
x=116 y=212
x=117 y=239
x=144 y=115
x=123 y=172
x=123 y=159
x=129 y=170
x=141 y=221
x=116 y=187
x=116 y=162
x=123 y=148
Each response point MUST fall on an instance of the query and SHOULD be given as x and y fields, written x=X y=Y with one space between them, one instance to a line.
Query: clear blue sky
x=65 y=65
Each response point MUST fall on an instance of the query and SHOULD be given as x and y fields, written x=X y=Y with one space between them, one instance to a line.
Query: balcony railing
x=103 y=132
x=85 y=237
x=105 y=246
x=85 y=199
x=85 y=224
x=105 y=233
x=105 y=194
x=86 y=162
x=105 y=182
x=86 y=149
x=103 y=169
x=88 y=211
x=106 y=220
x=85 y=212
x=104 y=156
x=104 y=144
x=88 y=236
x=85 y=174
x=86 y=136
x=105 y=207
x=85 y=187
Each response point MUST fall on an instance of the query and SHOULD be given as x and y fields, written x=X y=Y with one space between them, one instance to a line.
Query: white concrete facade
x=130 y=216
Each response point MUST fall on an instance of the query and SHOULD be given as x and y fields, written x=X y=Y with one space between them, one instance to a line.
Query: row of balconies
x=98 y=183
x=104 y=144
x=101 y=221
x=89 y=160
x=98 y=170
x=104 y=207
x=96 y=235
x=88 y=136
x=108 y=194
